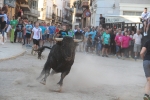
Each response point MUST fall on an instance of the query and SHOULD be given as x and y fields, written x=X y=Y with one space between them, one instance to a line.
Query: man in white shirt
x=4 y=15
x=36 y=36
x=144 y=20
x=148 y=23
x=137 y=43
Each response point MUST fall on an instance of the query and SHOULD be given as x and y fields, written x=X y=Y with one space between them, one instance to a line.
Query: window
x=60 y=13
x=47 y=10
x=57 y=11
x=34 y=4
x=132 y=13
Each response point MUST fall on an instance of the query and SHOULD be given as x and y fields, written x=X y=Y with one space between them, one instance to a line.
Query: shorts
x=146 y=66
x=28 y=35
x=130 y=48
x=106 y=46
x=98 y=46
x=19 y=34
x=47 y=36
x=118 y=49
x=137 y=48
x=51 y=36
x=43 y=37
x=123 y=50
x=3 y=32
x=36 y=42
x=94 y=44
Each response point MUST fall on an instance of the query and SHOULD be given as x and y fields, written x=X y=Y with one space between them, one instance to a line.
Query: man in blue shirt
x=93 y=33
x=43 y=33
x=28 y=32
x=52 y=30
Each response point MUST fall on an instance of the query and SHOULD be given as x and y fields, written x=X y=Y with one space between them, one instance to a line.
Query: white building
x=118 y=10
x=51 y=11
x=1 y=3
x=49 y=6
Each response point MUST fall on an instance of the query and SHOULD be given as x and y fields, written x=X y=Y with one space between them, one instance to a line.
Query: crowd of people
x=99 y=40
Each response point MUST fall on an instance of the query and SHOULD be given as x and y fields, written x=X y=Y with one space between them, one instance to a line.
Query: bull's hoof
x=43 y=82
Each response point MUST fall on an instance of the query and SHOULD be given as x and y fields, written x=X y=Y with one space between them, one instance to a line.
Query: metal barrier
x=123 y=25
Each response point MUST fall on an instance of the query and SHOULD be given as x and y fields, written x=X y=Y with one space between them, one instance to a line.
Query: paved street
x=91 y=78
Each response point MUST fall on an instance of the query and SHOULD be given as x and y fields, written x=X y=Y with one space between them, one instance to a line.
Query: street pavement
x=11 y=50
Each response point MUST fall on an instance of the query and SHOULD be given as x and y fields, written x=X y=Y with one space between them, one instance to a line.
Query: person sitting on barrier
x=144 y=20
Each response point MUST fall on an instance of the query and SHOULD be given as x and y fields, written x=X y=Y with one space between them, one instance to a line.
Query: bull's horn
x=77 y=40
x=58 y=39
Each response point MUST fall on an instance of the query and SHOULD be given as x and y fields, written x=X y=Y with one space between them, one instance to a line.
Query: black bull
x=60 y=59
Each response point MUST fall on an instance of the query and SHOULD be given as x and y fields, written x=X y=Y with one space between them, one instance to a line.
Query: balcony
x=85 y=3
x=59 y=19
x=32 y=12
x=53 y=16
x=67 y=19
x=49 y=16
x=78 y=12
x=25 y=7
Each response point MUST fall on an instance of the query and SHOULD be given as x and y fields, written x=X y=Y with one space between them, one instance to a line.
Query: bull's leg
x=42 y=73
x=62 y=78
x=46 y=71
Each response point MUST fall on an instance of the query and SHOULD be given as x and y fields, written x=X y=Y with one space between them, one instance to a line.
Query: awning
x=25 y=7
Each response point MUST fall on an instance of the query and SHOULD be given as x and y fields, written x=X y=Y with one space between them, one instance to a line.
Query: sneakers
x=145 y=34
x=146 y=98
x=2 y=43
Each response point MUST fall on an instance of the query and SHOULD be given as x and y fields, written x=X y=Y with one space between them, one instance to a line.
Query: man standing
x=78 y=35
x=102 y=20
x=4 y=15
x=137 y=43
x=62 y=33
x=52 y=30
x=145 y=55
x=43 y=33
x=19 y=31
x=28 y=32
x=106 y=43
x=144 y=20
x=70 y=32
x=3 y=27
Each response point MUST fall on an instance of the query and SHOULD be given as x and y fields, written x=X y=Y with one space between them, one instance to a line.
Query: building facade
x=127 y=11
x=82 y=14
x=67 y=13
x=30 y=8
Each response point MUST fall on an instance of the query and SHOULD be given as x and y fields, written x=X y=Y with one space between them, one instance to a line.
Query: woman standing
x=36 y=36
x=125 y=44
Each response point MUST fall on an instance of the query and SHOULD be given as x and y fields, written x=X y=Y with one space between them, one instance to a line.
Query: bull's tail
x=40 y=50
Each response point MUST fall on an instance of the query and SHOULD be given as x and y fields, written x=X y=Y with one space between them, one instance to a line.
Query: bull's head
x=68 y=47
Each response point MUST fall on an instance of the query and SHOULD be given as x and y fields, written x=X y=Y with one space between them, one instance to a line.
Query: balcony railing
x=85 y=3
x=78 y=12
x=33 y=12
x=49 y=16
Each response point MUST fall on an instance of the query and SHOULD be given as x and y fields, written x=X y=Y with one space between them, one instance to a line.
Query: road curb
x=13 y=57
